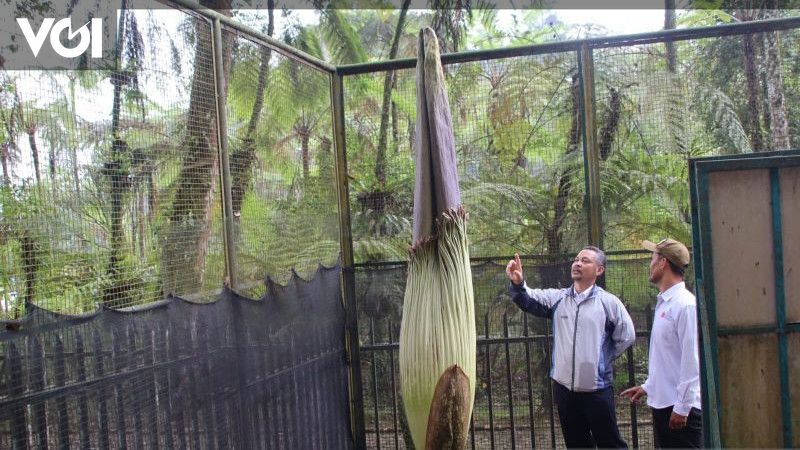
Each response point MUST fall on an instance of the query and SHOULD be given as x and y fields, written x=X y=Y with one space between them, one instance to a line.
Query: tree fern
x=721 y=114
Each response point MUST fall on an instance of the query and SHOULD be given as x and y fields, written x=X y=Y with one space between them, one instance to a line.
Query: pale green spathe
x=438 y=328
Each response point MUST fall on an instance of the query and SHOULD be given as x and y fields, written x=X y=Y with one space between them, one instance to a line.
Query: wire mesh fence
x=653 y=116
x=112 y=194
x=111 y=189
x=513 y=400
x=282 y=166
x=113 y=213
x=519 y=128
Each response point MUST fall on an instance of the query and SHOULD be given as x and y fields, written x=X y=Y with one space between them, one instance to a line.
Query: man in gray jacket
x=591 y=328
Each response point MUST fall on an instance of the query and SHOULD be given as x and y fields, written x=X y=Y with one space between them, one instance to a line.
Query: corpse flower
x=437 y=334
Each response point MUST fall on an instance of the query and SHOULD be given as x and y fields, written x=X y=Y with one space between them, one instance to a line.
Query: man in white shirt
x=673 y=379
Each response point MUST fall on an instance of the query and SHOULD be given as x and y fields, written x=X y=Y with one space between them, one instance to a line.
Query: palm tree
x=242 y=158
x=9 y=114
x=184 y=249
x=130 y=55
x=779 y=126
x=751 y=77
x=388 y=84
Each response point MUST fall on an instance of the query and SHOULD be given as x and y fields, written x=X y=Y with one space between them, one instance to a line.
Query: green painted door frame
x=699 y=171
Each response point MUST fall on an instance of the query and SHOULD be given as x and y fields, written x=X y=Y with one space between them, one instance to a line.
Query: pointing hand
x=514 y=270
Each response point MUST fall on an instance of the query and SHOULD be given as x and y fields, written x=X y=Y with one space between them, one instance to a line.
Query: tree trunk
x=676 y=107
x=388 y=82
x=751 y=77
x=202 y=250
x=554 y=232
x=775 y=96
x=242 y=158
x=181 y=251
x=395 y=119
x=52 y=157
x=609 y=130
x=669 y=24
x=30 y=251
x=74 y=139
x=765 y=113
x=152 y=197
x=31 y=130
x=116 y=174
x=304 y=133
x=4 y=161
x=142 y=219
x=119 y=185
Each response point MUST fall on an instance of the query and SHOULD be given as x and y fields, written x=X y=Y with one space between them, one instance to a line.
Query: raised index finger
x=516 y=260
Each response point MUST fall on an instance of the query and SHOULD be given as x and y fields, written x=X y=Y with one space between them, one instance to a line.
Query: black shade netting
x=235 y=373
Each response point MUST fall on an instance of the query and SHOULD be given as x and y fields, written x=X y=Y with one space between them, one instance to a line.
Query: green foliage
x=521 y=171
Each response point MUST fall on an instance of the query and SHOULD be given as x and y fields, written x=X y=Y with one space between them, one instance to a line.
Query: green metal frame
x=355 y=385
x=591 y=149
x=699 y=171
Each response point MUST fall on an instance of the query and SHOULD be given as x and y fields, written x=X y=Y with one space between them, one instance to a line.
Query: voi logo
x=86 y=36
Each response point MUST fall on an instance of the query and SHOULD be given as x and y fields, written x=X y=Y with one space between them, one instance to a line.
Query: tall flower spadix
x=437 y=335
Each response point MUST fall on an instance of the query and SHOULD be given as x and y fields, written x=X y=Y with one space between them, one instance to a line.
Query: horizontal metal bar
x=759 y=26
x=560 y=257
x=337 y=354
x=460 y=57
x=484 y=341
x=111 y=380
x=748 y=164
x=738 y=331
x=117 y=378
x=143 y=307
x=743 y=156
x=261 y=38
x=683 y=34
x=759 y=329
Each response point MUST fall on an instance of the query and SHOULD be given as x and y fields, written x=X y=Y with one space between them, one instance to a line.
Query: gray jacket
x=587 y=336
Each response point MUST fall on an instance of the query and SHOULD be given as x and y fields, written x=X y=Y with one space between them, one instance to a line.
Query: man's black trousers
x=690 y=436
x=588 y=419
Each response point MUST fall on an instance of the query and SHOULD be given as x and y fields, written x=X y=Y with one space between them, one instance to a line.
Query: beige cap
x=671 y=249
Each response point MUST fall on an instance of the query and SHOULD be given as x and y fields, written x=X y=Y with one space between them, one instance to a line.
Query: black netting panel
x=513 y=387
x=234 y=373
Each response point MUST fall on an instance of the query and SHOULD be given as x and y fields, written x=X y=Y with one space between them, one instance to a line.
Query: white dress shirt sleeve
x=686 y=328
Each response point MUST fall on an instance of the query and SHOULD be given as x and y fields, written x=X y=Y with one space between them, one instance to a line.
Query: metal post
x=355 y=387
x=591 y=151
x=225 y=172
x=240 y=340
x=780 y=306
x=707 y=316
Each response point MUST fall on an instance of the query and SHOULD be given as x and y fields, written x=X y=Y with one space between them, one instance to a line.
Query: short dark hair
x=677 y=270
x=601 y=255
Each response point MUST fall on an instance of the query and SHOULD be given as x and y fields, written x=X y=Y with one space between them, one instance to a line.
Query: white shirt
x=673 y=377
x=581 y=296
